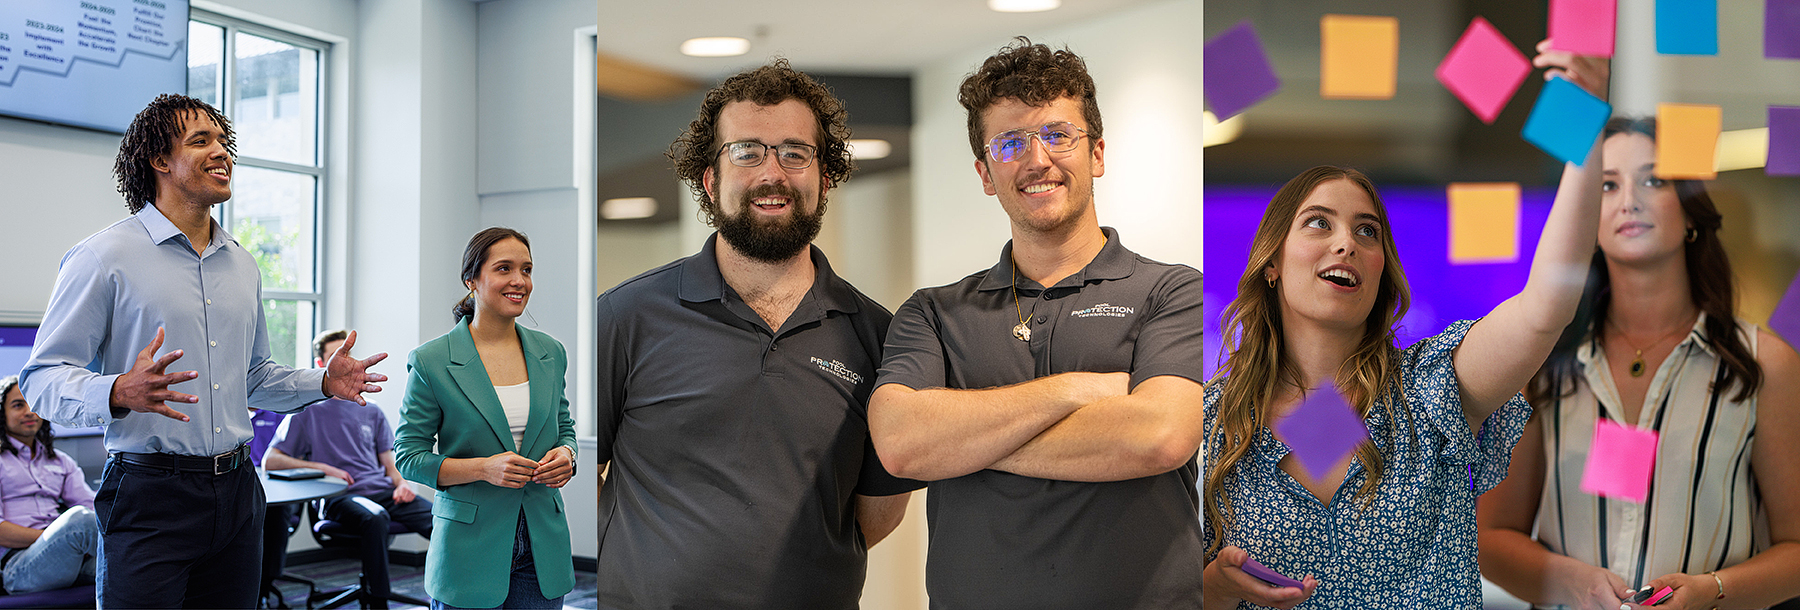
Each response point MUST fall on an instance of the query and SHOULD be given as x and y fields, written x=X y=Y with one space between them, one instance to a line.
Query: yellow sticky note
x=1687 y=141
x=1484 y=222
x=1360 y=56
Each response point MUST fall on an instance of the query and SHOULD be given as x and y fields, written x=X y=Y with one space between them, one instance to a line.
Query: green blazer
x=451 y=411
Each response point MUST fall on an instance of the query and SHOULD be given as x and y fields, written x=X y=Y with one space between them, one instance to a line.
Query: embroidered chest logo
x=837 y=368
x=1104 y=310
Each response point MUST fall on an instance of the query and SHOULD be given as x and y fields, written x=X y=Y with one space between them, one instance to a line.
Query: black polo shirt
x=735 y=448
x=1002 y=541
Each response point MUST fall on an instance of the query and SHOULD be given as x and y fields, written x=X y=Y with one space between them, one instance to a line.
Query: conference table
x=293 y=492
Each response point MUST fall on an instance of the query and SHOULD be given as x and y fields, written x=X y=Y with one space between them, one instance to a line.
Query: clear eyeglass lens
x=1056 y=137
x=750 y=154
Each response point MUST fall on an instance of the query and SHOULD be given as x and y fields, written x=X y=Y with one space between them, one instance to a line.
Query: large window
x=268 y=83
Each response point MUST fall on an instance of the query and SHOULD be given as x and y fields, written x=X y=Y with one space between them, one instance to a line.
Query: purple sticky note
x=1263 y=573
x=1785 y=321
x=1781 y=29
x=1236 y=72
x=1583 y=27
x=1483 y=70
x=1620 y=462
x=1784 y=141
x=1322 y=430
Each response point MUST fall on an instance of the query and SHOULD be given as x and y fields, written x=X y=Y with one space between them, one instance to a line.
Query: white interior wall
x=1146 y=63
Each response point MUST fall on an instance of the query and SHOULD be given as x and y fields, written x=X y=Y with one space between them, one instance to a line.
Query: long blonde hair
x=1256 y=367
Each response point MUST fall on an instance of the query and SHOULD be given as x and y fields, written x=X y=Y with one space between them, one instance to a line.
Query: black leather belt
x=215 y=464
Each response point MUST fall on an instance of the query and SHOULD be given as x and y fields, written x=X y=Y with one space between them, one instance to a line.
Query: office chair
x=333 y=534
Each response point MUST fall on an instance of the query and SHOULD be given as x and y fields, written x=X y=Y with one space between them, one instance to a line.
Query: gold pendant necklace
x=1021 y=332
x=1637 y=362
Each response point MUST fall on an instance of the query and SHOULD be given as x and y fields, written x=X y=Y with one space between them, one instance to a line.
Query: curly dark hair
x=697 y=150
x=152 y=134
x=1033 y=74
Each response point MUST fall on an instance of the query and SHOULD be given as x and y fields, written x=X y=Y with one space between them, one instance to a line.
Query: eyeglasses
x=1058 y=137
x=751 y=154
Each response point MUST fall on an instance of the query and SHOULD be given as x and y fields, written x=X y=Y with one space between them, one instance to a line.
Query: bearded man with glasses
x=1053 y=401
x=733 y=384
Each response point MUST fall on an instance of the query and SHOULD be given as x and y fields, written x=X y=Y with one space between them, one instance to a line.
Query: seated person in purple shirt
x=46 y=508
x=354 y=443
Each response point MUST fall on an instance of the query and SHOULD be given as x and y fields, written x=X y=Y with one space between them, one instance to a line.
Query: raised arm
x=1154 y=429
x=1505 y=348
x=940 y=433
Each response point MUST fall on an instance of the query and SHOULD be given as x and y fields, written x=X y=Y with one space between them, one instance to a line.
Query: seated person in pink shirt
x=46 y=508
x=354 y=443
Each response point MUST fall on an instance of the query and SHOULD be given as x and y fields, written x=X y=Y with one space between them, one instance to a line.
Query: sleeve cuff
x=96 y=402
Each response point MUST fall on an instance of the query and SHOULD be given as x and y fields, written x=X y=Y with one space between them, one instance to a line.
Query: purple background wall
x=1419 y=219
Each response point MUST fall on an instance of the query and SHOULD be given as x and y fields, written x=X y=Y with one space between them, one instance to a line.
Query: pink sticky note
x=1620 y=462
x=1483 y=70
x=1583 y=27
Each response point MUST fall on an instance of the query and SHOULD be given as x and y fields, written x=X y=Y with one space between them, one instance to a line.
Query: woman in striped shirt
x=1657 y=347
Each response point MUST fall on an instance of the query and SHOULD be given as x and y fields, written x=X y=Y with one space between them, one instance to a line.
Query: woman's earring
x=1692 y=234
x=1271 y=281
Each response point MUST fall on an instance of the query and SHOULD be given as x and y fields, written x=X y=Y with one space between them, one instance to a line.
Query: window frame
x=319 y=171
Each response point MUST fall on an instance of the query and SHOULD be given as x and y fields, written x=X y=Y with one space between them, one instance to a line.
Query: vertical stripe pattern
x=1701 y=513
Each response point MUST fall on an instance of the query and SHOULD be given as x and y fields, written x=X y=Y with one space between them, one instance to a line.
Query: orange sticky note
x=1484 y=222
x=1687 y=141
x=1359 y=57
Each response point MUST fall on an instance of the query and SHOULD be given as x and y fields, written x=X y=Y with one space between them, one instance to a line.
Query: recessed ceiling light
x=626 y=208
x=715 y=46
x=869 y=149
x=1023 y=6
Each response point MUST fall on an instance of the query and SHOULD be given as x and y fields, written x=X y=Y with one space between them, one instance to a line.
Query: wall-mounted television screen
x=90 y=63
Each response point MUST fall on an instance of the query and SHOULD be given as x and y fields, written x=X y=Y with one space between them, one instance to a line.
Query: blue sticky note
x=1237 y=73
x=1566 y=120
x=1687 y=27
x=1322 y=430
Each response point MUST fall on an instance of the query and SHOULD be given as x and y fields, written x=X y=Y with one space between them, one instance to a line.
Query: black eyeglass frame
x=812 y=153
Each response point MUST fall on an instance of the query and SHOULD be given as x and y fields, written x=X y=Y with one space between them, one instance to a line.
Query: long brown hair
x=1256 y=367
x=1710 y=285
x=45 y=436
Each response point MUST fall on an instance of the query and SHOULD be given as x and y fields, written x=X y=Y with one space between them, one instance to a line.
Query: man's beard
x=771 y=241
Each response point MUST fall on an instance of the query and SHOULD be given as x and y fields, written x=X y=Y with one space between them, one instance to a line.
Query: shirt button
x=774 y=347
x=1041 y=319
x=215 y=430
x=214 y=343
x=209 y=301
x=215 y=386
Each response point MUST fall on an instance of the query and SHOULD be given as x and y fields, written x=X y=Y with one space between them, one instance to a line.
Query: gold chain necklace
x=1637 y=363
x=1021 y=332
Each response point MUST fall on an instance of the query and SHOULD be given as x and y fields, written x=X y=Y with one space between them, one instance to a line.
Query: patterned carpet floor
x=407 y=580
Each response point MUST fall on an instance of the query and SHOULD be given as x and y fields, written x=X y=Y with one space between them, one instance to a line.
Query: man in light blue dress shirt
x=180 y=504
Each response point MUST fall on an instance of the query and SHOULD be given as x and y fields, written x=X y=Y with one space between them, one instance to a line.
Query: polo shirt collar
x=1113 y=262
x=702 y=281
x=160 y=229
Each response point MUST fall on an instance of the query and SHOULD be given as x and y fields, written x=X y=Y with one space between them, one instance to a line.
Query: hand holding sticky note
x=1583 y=27
x=1359 y=57
x=1322 y=430
x=1566 y=120
x=1620 y=462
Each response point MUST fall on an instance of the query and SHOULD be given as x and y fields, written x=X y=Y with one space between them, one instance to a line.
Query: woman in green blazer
x=489 y=397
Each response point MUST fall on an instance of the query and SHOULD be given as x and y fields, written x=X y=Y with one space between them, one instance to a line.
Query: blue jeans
x=524 y=592
x=62 y=554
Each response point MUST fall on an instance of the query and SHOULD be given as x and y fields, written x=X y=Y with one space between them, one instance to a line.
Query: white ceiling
x=873 y=37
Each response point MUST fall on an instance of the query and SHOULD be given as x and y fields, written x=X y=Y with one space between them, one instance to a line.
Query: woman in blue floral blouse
x=1391 y=525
